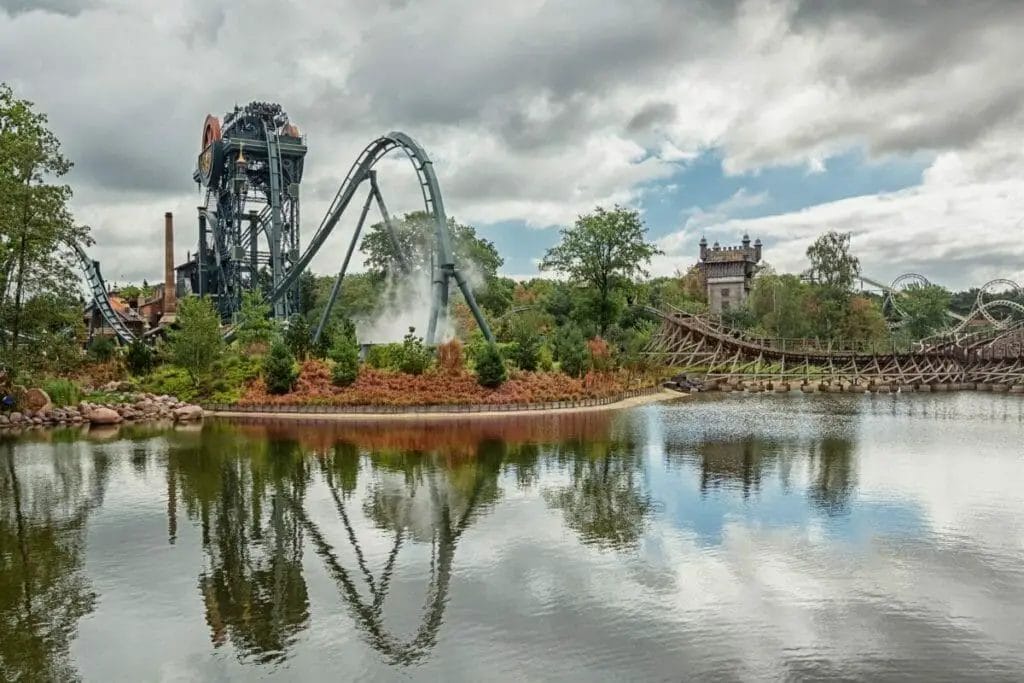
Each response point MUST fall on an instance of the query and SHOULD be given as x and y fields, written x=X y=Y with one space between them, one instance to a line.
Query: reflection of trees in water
x=833 y=478
x=605 y=501
x=418 y=498
x=44 y=506
x=744 y=463
x=253 y=588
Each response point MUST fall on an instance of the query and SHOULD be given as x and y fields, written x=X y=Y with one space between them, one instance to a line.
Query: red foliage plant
x=600 y=354
x=450 y=357
x=434 y=387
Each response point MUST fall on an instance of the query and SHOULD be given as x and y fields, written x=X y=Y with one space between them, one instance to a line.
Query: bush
x=599 y=353
x=345 y=354
x=195 y=342
x=526 y=349
x=173 y=381
x=415 y=356
x=279 y=371
x=571 y=351
x=101 y=349
x=140 y=358
x=490 y=367
x=545 y=361
x=450 y=357
x=299 y=336
x=62 y=392
x=384 y=356
x=254 y=327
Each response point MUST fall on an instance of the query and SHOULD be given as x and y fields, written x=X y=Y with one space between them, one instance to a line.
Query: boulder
x=188 y=413
x=16 y=417
x=37 y=399
x=103 y=416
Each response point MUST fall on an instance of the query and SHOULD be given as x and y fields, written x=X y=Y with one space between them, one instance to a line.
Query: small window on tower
x=725 y=292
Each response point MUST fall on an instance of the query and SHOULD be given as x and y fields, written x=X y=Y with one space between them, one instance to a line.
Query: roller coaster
x=251 y=165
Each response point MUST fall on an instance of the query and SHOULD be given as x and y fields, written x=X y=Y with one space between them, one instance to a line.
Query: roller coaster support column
x=403 y=262
x=336 y=289
x=202 y=250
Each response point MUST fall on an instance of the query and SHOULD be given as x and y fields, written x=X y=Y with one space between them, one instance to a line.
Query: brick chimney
x=170 y=295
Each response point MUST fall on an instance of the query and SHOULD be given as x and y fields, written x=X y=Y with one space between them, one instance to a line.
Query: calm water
x=738 y=538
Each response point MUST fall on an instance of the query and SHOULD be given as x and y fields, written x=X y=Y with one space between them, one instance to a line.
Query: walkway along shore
x=629 y=399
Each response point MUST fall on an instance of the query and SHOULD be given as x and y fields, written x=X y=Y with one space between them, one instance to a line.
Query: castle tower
x=728 y=273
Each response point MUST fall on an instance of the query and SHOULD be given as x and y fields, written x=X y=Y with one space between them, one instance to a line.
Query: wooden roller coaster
x=701 y=344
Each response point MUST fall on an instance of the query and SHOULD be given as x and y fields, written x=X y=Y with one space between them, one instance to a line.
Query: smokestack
x=170 y=295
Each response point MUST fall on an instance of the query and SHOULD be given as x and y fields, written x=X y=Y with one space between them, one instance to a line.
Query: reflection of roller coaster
x=251 y=165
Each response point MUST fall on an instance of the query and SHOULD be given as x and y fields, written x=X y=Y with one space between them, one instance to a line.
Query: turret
x=757 y=250
x=703 y=248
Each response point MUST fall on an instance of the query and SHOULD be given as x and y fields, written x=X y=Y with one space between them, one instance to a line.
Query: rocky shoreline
x=139 y=407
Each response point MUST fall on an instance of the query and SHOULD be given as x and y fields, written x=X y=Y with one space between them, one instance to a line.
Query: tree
x=864 y=321
x=36 y=228
x=415 y=357
x=601 y=250
x=780 y=304
x=571 y=351
x=832 y=264
x=139 y=358
x=254 y=324
x=299 y=336
x=415 y=246
x=279 y=371
x=526 y=347
x=490 y=366
x=924 y=308
x=196 y=343
x=345 y=354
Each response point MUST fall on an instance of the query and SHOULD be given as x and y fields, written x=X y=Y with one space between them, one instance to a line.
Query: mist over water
x=738 y=537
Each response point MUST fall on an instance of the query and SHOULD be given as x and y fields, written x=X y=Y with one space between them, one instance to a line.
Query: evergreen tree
x=279 y=372
x=254 y=324
x=345 y=354
x=571 y=351
x=299 y=336
x=490 y=366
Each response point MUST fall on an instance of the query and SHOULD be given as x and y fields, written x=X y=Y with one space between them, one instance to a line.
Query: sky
x=899 y=122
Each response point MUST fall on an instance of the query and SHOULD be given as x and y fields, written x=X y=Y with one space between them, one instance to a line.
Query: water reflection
x=46 y=496
x=601 y=545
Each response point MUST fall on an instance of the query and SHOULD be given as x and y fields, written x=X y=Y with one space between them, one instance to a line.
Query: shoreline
x=414 y=415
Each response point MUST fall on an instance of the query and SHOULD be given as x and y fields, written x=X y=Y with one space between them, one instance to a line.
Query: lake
x=736 y=537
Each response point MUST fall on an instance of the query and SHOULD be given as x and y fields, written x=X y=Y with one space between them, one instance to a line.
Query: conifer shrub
x=140 y=358
x=526 y=349
x=415 y=356
x=490 y=367
x=279 y=373
x=345 y=354
x=571 y=351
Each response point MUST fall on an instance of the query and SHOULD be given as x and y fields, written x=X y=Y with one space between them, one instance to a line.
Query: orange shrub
x=450 y=357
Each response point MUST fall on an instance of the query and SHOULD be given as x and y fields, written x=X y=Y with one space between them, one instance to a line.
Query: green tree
x=780 y=304
x=139 y=358
x=832 y=264
x=299 y=336
x=571 y=351
x=415 y=357
x=195 y=343
x=36 y=228
x=279 y=371
x=254 y=325
x=415 y=246
x=526 y=348
x=864 y=321
x=345 y=354
x=601 y=250
x=490 y=366
x=924 y=308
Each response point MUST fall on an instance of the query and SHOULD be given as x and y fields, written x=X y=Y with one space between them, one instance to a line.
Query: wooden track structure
x=700 y=344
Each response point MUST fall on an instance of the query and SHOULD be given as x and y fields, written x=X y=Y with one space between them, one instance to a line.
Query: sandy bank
x=663 y=395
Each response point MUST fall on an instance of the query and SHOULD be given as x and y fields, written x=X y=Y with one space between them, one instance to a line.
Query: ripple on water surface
x=739 y=537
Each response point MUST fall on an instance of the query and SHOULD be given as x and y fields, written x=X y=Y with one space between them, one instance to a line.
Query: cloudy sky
x=898 y=121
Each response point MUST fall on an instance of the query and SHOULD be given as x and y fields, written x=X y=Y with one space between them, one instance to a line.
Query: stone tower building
x=727 y=272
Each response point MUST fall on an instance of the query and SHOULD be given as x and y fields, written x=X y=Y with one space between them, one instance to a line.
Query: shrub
x=279 y=371
x=140 y=358
x=173 y=381
x=255 y=328
x=415 y=356
x=384 y=356
x=490 y=367
x=345 y=354
x=101 y=349
x=526 y=349
x=299 y=336
x=450 y=357
x=545 y=361
x=599 y=353
x=571 y=351
x=62 y=392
